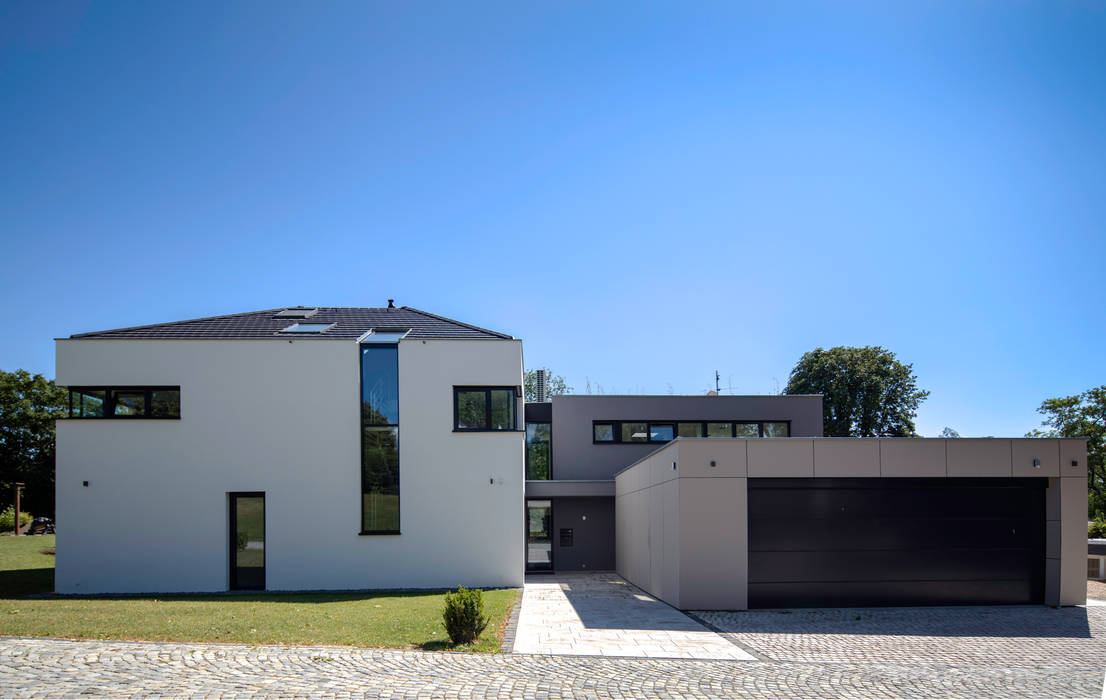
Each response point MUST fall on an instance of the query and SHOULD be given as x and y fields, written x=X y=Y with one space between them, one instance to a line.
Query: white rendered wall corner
x=283 y=418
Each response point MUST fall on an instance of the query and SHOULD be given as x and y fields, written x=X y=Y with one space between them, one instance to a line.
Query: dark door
x=859 y=542
x=247 y=541
x=539 y=535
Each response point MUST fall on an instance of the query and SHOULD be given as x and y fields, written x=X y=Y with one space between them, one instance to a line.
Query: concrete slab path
x=600 y=614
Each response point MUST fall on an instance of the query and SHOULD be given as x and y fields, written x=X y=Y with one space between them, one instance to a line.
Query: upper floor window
x=484 y=408
x=124 y=402
x=628 y=432
x=538 y=451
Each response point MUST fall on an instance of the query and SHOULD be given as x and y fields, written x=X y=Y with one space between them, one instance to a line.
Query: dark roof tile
x=350 y=324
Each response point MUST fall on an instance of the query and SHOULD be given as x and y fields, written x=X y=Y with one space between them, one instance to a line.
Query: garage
x=829 y=542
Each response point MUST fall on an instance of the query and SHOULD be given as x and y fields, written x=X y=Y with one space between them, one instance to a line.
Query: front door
x=247 y=541
x=539 y=535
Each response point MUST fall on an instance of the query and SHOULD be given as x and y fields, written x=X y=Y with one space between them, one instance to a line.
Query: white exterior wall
x=283 y=418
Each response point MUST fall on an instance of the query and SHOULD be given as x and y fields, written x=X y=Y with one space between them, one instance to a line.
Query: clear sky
x=643 y=192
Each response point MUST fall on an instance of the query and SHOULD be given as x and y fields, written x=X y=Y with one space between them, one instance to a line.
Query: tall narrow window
x=379 y=439
x=538 y=451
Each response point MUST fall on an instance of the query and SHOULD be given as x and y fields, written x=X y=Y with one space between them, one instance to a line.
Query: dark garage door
x=857 y=542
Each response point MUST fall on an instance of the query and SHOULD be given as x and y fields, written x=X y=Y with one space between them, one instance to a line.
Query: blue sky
x=643 y=192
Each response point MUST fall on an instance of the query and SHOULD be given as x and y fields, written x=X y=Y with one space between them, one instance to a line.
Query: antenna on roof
x=717 y=389
x=391 y=303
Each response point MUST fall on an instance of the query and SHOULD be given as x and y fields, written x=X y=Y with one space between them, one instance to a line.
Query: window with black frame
x=379 y=438
x=484 y=408
x=131 y=402
x=538 y=451
x=619 y=432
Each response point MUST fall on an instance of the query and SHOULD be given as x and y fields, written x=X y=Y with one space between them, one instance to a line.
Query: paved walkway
x=57 y=668
x=600 y=614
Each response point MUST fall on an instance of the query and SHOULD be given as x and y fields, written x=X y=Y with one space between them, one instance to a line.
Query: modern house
x=291 y=449
x=576 y=445
x=360 y=448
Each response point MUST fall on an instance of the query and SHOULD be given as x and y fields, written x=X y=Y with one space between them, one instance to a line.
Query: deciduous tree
x=29 y=405
x=555 y=384
x=866 y=392
x=1082 y=415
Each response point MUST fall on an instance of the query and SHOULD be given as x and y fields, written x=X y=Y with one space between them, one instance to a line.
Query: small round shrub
x=7 y=519
x=464 y=615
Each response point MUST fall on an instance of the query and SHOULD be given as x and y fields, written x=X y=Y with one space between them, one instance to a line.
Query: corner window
x=124 y=402
x=87 y=403
x=484 y=409
x=602 y=432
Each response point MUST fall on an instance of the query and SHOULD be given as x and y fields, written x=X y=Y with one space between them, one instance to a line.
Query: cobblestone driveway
x=1028 y=637
x=34 y=668
x=893 y=652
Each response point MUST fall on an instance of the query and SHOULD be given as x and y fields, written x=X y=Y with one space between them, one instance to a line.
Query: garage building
x=735 y=524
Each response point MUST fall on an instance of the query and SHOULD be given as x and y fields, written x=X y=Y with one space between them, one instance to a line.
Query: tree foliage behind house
x=29 y=405
x=555 y=384
x=866 y=392
x=1082 y=415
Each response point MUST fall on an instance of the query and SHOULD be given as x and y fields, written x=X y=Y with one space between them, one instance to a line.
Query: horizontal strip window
x=126 y=402
x=630 y=432
x=485 y=408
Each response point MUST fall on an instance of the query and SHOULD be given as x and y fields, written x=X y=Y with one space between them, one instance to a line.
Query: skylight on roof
x=297 y=312
x=384 y=335
x=307 y=328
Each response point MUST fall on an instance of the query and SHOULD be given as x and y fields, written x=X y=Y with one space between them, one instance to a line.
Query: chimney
x=391 y=303
x=540 y=388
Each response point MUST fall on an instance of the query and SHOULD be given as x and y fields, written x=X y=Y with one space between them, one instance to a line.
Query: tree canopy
x=29 y=405
x=555 y=384
x=1082 y=415
x=866 y=392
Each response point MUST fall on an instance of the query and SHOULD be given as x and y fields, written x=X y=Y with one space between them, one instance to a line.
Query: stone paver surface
x=40 y=668
x=999 y=636
x=1096 y=590
x=600 y=614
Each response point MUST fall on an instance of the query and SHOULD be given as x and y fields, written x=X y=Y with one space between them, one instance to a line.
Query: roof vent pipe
x=539 y=387
x=391 y=303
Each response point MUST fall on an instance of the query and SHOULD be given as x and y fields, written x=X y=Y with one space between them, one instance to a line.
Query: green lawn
x=385 y=619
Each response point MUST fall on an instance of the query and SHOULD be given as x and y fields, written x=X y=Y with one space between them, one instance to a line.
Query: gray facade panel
x=575 y=457
x=592 y=523
x=561 y=489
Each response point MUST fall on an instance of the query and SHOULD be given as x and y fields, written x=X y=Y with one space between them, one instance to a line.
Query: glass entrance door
x=539 y=535
x=247 y=541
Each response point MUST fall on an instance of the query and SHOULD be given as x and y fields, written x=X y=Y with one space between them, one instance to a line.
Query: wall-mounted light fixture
x=1075 y=463
x=1036 y=463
